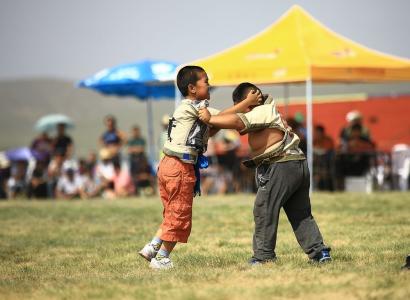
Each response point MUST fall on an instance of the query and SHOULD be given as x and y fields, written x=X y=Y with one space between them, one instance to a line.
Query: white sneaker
x=162 y=263
x=148 y=252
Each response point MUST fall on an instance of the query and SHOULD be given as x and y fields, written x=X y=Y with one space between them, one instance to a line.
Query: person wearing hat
x=353 y=118
x=69 y=185
x=105 y=173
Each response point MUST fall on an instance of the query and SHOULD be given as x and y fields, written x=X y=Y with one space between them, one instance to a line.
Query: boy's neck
x=192 y=97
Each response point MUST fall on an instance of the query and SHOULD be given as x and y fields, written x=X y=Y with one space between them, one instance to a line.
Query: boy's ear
x=191 y=88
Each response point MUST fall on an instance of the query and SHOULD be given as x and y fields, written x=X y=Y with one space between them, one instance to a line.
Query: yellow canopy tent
x=296 y=49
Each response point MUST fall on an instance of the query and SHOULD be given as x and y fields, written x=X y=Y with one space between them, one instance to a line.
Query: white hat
x=353 y=115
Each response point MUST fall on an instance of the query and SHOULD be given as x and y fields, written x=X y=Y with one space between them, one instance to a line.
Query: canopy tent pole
x=177 y=95
x=286 y=99
x=309 y=124
x=150 y=131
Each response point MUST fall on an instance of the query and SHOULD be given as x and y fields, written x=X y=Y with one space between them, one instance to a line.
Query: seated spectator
x=136 y=149
x=357 y=143
x=88 y=186
x=17 y=185
x=69 y=185
x=296 y=125
x=37 y=186
x=55 y=171
x=323 y=159
x=4 y=175
x=105 y=174
x=215 y=180
x=243 y=177
x=356 y=155
x=43 y=145
x=123 y=185
x=322 y=143
x=226 y=144
x=353 y=118
x=63 y=143
x=92 y=163
x=144 y=181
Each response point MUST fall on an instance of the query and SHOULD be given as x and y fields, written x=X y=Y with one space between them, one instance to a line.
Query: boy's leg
x=166 y=248
x=176 y=190
x=298 y=211
x=151 y=249
x=275 y=183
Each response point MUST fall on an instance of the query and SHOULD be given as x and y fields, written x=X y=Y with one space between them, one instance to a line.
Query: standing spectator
x=144 y=181
x=112 y=138
x=63 y=143
x=43 y=145
x=323 y=159
x=136 y=149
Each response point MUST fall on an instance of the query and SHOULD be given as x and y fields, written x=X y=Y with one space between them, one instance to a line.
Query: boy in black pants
x=282 y=177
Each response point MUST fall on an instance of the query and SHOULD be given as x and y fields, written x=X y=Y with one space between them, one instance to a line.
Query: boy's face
x=202 y=87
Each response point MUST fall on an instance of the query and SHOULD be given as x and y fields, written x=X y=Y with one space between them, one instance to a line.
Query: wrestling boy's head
x=192 y=82
x=242 y=90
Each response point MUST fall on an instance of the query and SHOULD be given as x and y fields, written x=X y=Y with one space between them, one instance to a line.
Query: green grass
x=88 y=250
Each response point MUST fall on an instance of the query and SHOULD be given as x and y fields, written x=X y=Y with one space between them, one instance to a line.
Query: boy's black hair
x=186 y=76
x=242 y=90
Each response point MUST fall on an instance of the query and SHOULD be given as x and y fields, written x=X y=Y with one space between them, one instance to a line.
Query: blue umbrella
x=144 y=80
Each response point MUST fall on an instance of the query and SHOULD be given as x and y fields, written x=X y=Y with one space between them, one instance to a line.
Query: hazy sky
x=73 y=39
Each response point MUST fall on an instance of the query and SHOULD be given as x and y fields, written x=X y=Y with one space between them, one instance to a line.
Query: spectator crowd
x=121 y=167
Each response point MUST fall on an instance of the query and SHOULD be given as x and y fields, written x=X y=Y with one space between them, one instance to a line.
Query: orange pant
x=176 y=187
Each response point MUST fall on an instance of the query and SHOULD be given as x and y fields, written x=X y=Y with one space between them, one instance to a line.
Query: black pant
x=284 y=184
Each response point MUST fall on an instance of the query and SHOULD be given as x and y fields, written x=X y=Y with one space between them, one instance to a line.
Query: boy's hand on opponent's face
x=204 y=115
x=254 y=98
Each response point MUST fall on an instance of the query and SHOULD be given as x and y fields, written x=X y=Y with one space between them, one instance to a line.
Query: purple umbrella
x=23 y=153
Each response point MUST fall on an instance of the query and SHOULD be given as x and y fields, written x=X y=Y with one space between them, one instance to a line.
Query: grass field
x=88 y=250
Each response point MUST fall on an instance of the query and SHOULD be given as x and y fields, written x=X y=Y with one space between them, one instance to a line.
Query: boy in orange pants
x=178 y=176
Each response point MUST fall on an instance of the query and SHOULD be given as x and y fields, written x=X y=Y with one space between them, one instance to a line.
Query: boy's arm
x=254 y=98
x=228 y=121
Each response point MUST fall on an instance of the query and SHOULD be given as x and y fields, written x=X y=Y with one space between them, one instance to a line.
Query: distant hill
x=25 y=101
